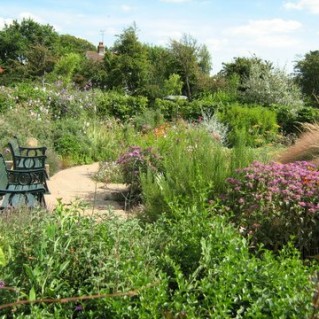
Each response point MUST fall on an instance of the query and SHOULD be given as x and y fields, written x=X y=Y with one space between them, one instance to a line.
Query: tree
x=190 y=60
x=69 y=44
x=173 y=85
x=40 y=61
x=185 y=53
x=204 y=60
x=65 y=68
x=271 y=86
x=18 y=40
x=127 y=64
x=307 y=75
x=161 y=67
x=241 y=66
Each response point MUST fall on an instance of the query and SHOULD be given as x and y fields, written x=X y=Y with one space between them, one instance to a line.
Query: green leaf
x=2 y=258
x=32 y=294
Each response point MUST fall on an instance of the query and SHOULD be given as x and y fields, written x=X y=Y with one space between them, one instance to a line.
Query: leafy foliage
x=195 y=265
x=272 y=86
x=258 y=124
x=307 y=70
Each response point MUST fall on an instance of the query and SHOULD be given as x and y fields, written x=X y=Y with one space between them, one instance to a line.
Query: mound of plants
x=194 y=265
x=274 y=203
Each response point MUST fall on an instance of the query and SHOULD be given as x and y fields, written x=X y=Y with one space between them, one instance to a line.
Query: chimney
x=101 y=48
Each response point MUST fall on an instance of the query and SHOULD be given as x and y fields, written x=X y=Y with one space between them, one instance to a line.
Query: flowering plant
x=134 y=162
x=273 y=202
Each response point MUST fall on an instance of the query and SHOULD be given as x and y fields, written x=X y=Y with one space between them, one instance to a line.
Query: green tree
x=70 y=44
x=40 y=61
x=65 y=68
x=161 y=66
x=173 y=85
x=90 y=74
x=307 y=75
x=204 y=60
x=18 y=40
x=127 y=63
x=241 y=66
x=191 y=61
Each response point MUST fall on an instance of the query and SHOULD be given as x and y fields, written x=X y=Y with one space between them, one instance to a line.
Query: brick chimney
x=101 y=48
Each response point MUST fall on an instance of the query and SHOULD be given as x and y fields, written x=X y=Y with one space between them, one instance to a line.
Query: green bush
x=213 y=275
x=259 y=124
x=120 y=106
x=195 y=265
x=64 y=255
x=148 y=120
x=71 y=140
x=291 y=122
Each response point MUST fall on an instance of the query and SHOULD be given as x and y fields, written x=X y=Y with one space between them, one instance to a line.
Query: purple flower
x=2 y=284
x=79 y=308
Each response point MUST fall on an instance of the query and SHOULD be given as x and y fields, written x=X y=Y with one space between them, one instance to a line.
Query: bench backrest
x=14 y=146
x=3 y=173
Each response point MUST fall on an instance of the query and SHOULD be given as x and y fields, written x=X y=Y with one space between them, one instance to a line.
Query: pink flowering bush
x=274 y=203
x=135 y=161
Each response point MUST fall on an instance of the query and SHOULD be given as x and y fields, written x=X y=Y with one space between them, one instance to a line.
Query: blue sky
x=280 y=31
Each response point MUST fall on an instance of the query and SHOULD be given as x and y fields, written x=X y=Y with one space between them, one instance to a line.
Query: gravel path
x=76 y=183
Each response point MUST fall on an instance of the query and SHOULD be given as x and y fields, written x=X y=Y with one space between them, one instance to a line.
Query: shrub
x=65 y=255
x=195 y=265
x=71 y=140
x=135 y=162
x=120 y=106
x=217 y=129
x=266 y=86
x=212 y=274
x=148 y=120
x=274 y=202
x=194 y=169
x=257 y=122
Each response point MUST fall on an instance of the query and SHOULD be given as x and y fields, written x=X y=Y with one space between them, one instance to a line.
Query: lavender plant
x=274 y=202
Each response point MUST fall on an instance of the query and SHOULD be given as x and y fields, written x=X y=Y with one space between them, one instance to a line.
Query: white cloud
x=28 y=15
x=126 y=8
x=310 y=5
x=266 y=27
x=4 y=21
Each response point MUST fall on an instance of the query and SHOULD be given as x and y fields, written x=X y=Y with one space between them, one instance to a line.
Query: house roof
x=96 y=55
x=93 y=55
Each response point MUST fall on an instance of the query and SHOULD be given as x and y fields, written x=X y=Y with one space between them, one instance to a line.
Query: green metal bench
x=26 y=158
x=21 y=188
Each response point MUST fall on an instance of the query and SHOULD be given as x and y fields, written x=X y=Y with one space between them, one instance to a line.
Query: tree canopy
x=307 y=72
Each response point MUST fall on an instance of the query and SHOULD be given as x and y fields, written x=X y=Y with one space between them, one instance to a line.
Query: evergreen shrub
x=258 y=123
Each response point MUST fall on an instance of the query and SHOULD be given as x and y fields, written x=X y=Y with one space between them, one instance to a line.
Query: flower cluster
x=276 y=201
x=135 y=161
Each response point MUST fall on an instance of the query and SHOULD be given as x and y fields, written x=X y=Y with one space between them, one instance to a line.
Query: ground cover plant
x=195 y=265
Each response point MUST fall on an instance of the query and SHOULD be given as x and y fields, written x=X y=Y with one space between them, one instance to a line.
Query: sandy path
x=76 y=183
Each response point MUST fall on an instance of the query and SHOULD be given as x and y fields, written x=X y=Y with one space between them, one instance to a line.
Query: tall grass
x=195 y=168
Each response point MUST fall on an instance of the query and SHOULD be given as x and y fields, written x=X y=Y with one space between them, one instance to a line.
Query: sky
x=279 y=31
